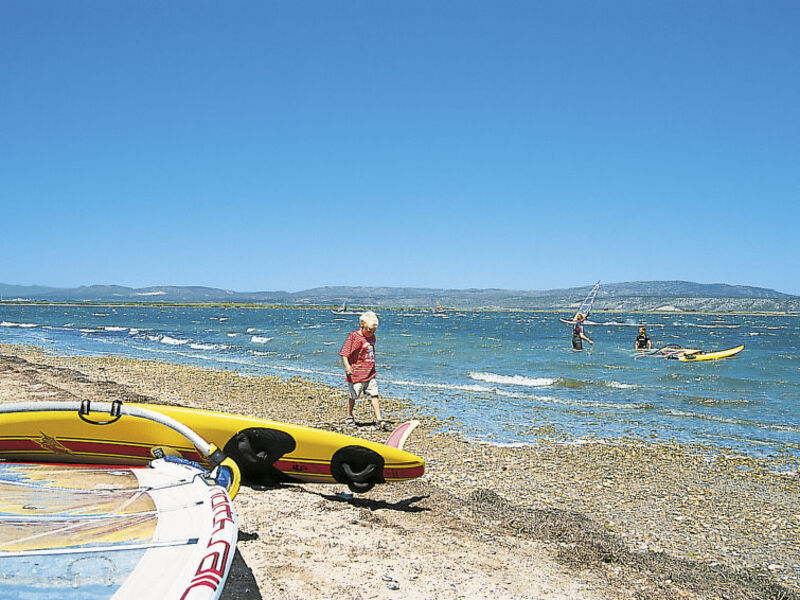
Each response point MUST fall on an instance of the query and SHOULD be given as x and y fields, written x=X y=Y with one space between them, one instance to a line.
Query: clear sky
x=285 y=145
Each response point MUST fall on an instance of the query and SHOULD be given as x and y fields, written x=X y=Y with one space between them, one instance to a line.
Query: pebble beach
x=590 y=520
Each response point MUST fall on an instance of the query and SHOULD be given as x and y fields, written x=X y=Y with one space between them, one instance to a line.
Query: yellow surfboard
x=266 y=451
x=699 y=355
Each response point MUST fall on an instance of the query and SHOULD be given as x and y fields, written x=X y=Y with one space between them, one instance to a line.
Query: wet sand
x=558 y=521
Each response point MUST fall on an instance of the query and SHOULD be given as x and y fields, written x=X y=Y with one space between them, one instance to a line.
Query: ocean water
x=500 y=377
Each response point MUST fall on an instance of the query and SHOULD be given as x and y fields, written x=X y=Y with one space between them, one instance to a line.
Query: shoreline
x=424 y=309
x=547 y=520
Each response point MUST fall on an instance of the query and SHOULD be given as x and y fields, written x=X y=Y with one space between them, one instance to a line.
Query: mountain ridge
x=634 y=295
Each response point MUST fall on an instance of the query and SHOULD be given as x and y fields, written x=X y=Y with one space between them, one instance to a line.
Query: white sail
x=585 y=307
x=344 y=310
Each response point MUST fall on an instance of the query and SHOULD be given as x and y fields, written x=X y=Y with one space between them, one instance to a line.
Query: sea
x=499 y=377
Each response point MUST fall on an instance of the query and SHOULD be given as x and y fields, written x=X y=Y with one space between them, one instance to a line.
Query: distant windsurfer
x=642 y=341
x=577 y=333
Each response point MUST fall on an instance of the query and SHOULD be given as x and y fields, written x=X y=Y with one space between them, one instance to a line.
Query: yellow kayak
x=266 y=451
x=699 y=355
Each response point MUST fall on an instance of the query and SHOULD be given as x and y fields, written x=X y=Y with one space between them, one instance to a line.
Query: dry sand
x=558 y=521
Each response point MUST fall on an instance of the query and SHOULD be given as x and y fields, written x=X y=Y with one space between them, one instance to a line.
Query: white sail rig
x=585 y=307
x=344 y=310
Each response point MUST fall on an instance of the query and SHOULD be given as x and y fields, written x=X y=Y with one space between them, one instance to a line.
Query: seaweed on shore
x=582 y=543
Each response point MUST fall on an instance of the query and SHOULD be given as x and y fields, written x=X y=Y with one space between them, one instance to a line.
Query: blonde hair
x=369 y=319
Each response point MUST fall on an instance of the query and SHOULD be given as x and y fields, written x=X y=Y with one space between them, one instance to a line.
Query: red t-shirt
x=360 y=352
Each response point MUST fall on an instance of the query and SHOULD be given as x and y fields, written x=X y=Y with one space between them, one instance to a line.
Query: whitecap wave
x=441 y=386
x=23 y=325
x=707 y=325
x=251 y=330
x=479 y=389
x=544 y=400
x=512 y=379
x=620 y=386
x=257 y=339
x=205 y=346
x=113 y=328
x=171 y=341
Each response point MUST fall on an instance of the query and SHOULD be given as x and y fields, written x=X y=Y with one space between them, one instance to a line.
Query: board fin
x=398 y=437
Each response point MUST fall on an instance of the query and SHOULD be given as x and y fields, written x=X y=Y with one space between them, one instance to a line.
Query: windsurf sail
x=586 y=306
x=668 y=351
x=343 y=310
x=676 y=352
x=439 y=307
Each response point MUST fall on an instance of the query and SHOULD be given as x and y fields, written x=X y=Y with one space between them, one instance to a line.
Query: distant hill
x=636 y=295
x=118 y=293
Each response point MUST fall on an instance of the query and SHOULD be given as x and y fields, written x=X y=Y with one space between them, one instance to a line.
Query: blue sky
x=287 y=145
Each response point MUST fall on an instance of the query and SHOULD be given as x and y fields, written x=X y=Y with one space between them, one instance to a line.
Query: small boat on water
x=343 y=310
x=439 y=311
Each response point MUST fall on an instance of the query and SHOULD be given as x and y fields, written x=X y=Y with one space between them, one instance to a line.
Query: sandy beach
x=558 y=521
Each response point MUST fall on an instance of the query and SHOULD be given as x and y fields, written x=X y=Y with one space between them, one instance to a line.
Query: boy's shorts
x=370 y=388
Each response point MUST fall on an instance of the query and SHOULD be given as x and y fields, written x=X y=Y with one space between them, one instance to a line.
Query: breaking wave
x=512 y=379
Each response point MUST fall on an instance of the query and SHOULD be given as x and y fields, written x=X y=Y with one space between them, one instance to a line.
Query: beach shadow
x=265 y=487
x=373 y=505
x=246 y=537
x=400 y=506
x=241 y=584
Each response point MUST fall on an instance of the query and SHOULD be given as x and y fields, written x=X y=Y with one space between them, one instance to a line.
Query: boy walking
x=358 y=358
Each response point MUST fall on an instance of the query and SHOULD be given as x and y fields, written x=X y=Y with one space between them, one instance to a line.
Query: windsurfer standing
x=577 y=333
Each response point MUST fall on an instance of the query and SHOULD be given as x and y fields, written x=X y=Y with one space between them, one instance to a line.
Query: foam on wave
x=512 y=379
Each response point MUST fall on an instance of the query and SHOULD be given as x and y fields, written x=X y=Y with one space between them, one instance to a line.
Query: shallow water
x=504 y=377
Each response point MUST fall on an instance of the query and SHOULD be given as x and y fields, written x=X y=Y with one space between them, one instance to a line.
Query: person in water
x=577 y=333
x=642 y=341
x=358 y=358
